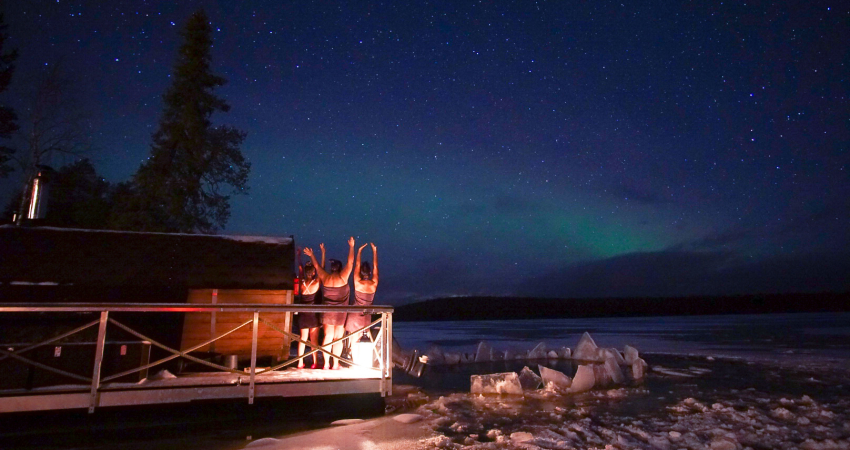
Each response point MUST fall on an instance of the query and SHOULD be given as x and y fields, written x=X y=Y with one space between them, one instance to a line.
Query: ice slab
x=630 y=354
x=554 y=378
x=538 y=352
x=552 y=354
x=484 y=353
x=565 y=353
x=639 y=369
x=586 y=349
x=603 y=377
x=614 y=371
x=614 y=353
x=528 y=379
x=496 y=383
x=584 y=379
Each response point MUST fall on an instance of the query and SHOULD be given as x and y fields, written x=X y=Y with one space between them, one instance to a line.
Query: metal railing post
x=383 y=353
x=98 y=360
x=253 y=358
x=390 y=353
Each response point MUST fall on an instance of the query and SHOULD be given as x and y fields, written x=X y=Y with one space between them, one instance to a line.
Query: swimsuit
x=335 y=296
x=308 y=319
x=356 y=321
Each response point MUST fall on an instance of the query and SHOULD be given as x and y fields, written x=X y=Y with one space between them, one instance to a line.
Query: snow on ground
x=715 y=383
x=685 y=403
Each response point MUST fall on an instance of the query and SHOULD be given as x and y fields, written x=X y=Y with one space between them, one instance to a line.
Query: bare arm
x=319 y=269
x=322 y=247
x=357 y=263
x=375 y=264
x=346 y=271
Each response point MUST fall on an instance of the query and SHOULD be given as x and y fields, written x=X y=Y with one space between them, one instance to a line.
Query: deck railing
x=381 y=343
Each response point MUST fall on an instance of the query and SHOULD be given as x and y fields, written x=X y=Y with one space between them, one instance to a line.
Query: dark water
x=811 y=338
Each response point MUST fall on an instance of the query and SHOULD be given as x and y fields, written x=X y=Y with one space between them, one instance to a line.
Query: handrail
x=186 y=307
x=382 y=341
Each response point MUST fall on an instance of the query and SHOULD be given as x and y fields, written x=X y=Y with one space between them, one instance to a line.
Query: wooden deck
x=214 y=382
x=197 y=386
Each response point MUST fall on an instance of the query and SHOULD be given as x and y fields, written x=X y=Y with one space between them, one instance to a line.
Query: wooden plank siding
x=197 y=326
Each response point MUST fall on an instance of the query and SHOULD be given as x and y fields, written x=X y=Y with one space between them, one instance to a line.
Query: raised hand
x=308 y=251
x=361 y=247
x=351 y=241
x=374 y=249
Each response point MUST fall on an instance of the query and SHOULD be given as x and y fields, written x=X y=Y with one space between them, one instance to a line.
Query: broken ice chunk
x=614 y=371
x=528 y=379
x=631 y=354
x=538 y=352
x=564 y=353
x=586 y=348
x=603 y=378
x=554 y=378
x=496 y=383
x=484 y=353
x=584 y=379
x=639 y=369
x=552 y=354
x=614 y=353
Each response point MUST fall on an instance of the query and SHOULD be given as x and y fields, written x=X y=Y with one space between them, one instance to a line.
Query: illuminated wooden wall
x=198 y=327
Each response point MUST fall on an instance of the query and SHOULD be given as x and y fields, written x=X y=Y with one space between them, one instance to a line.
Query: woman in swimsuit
x=365 y=285
x=308 y=322
x=335 y=291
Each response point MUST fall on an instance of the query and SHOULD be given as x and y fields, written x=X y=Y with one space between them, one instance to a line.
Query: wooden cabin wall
x=197 y=326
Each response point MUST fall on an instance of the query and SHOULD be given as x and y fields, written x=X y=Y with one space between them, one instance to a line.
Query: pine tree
x=194 y=167
x=7 y=114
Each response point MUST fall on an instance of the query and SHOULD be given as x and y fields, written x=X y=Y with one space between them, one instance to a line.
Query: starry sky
x=511 y=148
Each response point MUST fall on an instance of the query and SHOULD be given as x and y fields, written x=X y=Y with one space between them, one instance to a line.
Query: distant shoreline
x=516 y=308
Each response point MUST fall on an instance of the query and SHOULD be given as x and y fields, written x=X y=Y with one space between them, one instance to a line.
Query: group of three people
x=335 y=291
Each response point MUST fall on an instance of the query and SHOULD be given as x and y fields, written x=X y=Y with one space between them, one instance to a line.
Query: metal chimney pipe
x=38 y=190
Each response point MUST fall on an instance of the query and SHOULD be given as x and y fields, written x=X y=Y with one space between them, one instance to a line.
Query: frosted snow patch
x=264 y=442
x=408 y=418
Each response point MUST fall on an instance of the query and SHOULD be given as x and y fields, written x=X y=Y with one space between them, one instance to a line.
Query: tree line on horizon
x=516 y=308
x=185 y=184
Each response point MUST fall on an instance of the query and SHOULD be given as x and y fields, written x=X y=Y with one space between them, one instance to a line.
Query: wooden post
x=98 y=360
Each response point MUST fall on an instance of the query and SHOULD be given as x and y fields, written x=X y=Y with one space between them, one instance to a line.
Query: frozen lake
x=810 y=339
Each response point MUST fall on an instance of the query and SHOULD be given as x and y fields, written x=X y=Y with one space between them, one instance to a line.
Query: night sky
x=560 y=148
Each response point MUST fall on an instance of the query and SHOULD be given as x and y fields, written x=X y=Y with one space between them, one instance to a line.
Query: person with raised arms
x=335 y=291
x=365 y=285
